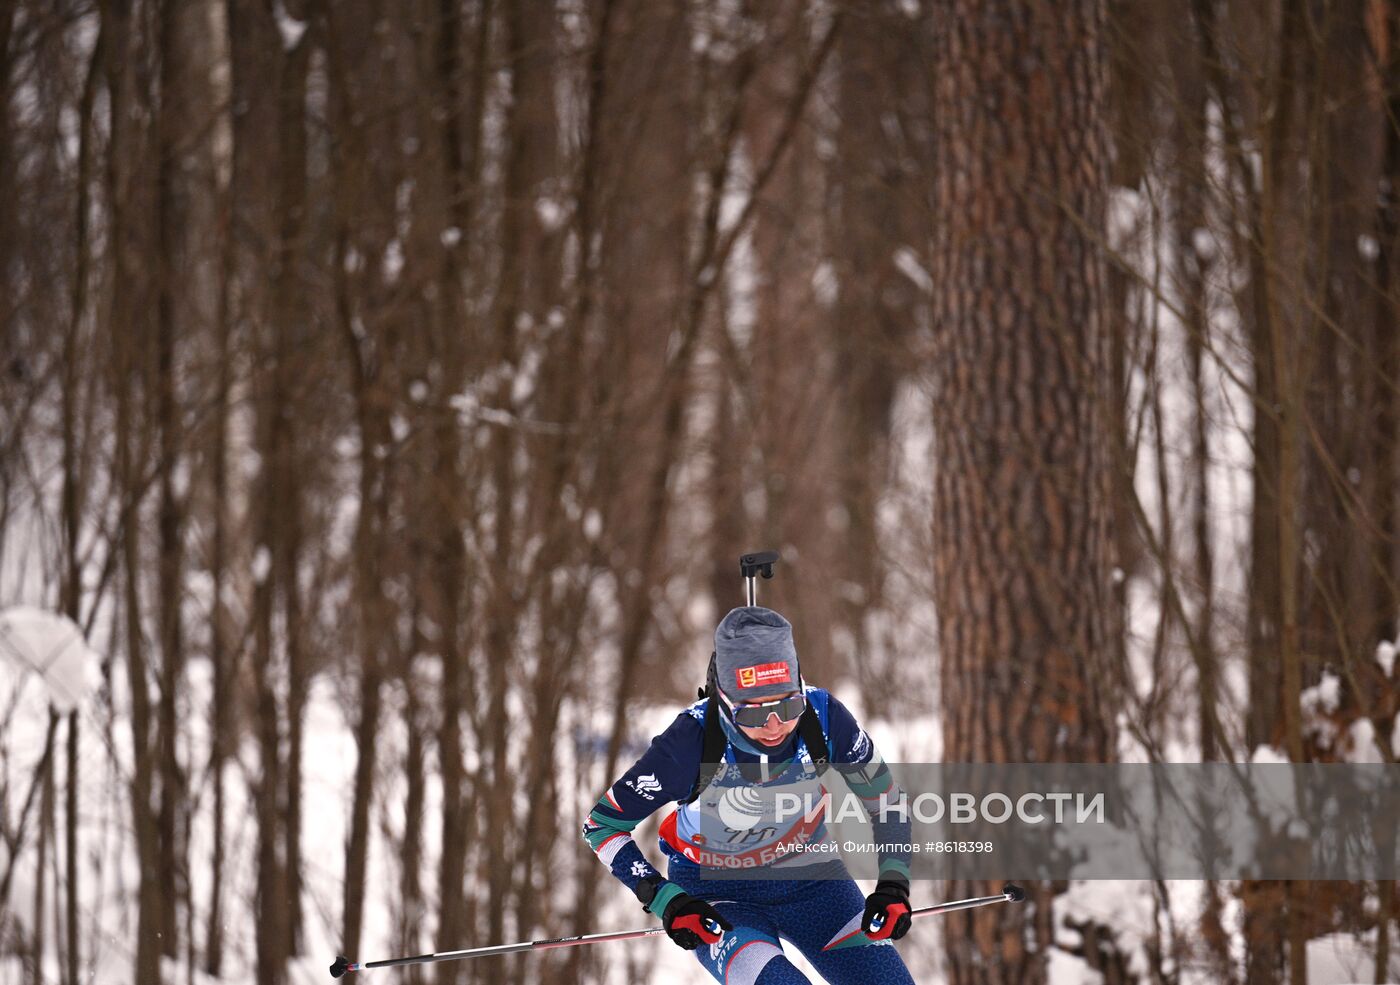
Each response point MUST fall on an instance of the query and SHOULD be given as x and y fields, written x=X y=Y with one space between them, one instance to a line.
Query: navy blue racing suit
x=799 y=892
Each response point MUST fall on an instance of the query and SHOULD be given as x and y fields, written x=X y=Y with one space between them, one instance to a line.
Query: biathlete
x=759 y=731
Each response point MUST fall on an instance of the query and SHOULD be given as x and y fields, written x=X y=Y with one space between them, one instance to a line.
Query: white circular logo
x=740 y=808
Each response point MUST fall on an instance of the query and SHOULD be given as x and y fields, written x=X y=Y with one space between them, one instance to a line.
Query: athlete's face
x=773 y=732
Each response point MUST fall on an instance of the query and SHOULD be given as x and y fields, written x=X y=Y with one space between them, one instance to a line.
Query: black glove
x=690 y=921
x=888 y=907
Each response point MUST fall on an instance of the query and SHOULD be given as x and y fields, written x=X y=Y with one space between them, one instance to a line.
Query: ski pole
x=1010 y=893
x=343 y=965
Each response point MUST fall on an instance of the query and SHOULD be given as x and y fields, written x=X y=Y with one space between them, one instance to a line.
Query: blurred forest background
x=414 y=372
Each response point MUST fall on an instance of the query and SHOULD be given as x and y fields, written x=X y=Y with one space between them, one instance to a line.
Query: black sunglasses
x=755 y=715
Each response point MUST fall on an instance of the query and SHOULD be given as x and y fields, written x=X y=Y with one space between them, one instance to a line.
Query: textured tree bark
x=1023 y=553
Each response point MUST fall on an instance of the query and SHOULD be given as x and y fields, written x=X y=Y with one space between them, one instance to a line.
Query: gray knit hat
x=754 y=656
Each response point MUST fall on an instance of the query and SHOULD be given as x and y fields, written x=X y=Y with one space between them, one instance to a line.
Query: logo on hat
x=761 y=675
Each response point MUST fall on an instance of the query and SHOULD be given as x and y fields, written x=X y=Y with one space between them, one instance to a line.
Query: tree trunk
x=371 y=626
x=412 y=912
x=1022 y=495
x=74 y=460
x=874 y=313
x=1192 y=275
x=170 y=278
x=462 y=185
x=149 y=900
x=41 y=861
x=129 y=373
x=271 y=878
x=1384 y=413
x=220 y=654
x=271 y=900
x=1276 y=659
x=526 y=277
x=291 y=317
